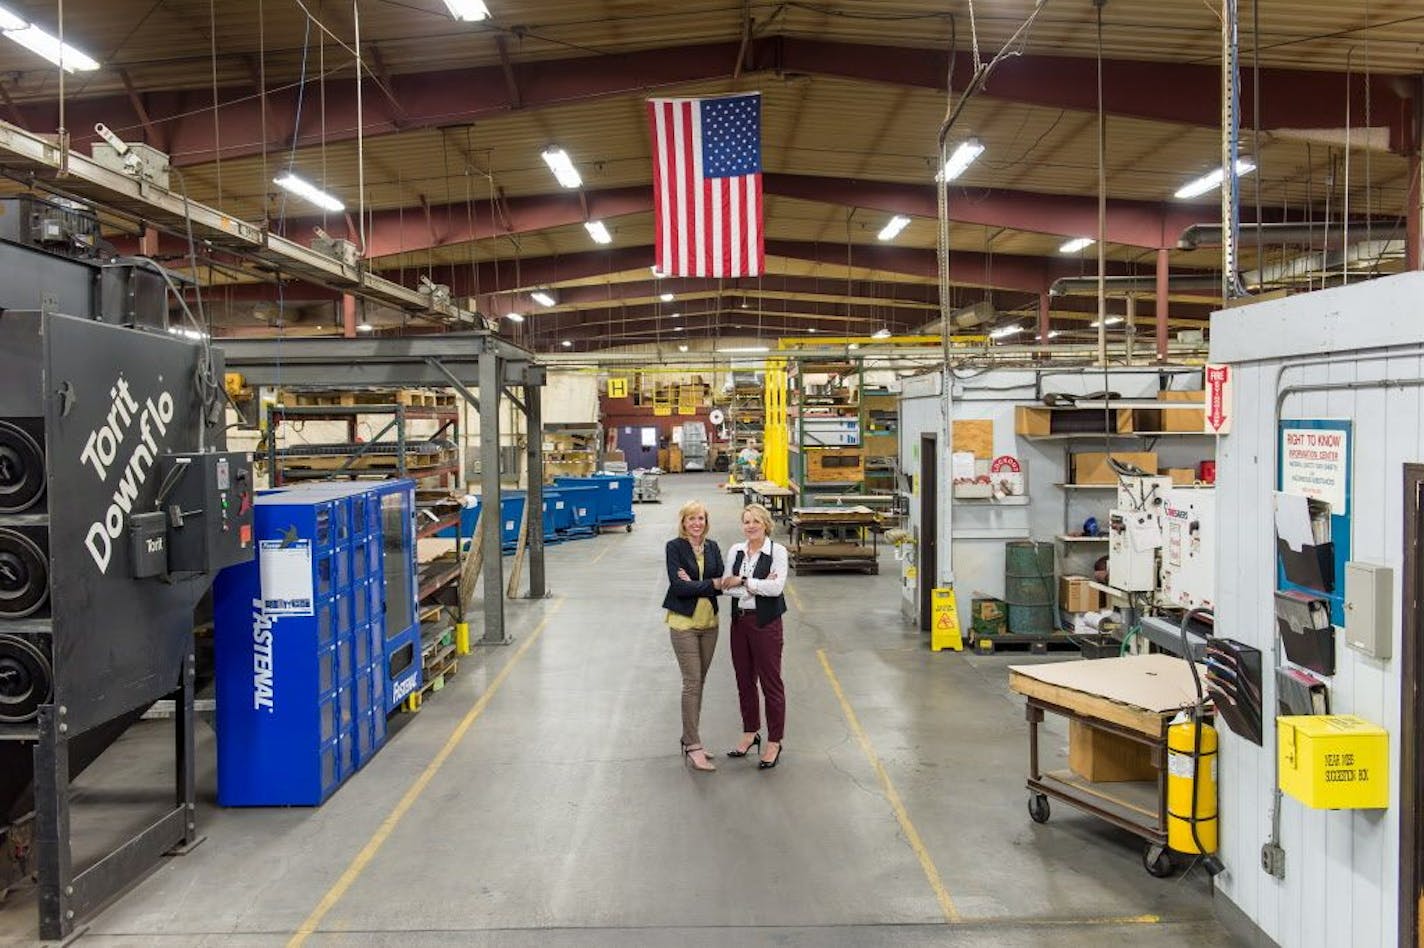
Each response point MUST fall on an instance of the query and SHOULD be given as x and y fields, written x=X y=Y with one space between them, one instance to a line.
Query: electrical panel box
x=208 y=501
x=1369 y=609
x=338 y=249
x=141 y=161
x=1188 y=548
x=1133 y=540
x=1334 y=761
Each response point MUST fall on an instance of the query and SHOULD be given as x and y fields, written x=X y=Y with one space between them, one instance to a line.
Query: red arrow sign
x=1218 y=378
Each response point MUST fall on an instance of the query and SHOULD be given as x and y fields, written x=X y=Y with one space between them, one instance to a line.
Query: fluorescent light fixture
x=811 y=329
x=1052 y=334
x=962 y=158
x=514 y=317
x=542 y=297
x=667 y=297
x=471 y=11
x=598 y=232
x=855 y=345
x=567 y=344
x=9 y=21
x=678 y=328
x=1077 y=244
x=1005 y=331
x=41 y=43
x=881 y=333
x=562 y=165
x=186 y=333
x=682 y=348
x=675 y=316
x=892 y=230
x=364 y=327
x=303 y=188
x=745 y=349
x=1111 y=321
x=1212 y=180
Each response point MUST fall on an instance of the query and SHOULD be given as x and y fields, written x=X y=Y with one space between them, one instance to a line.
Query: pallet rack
x=438 y=579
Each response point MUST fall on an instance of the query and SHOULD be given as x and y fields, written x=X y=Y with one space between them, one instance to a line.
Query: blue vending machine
x=397 y=598
x=301 y=642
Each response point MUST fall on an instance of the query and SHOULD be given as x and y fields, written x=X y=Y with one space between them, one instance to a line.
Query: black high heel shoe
x=768 y=764
x=756 y=742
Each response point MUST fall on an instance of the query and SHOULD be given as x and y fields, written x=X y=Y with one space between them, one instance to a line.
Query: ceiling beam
x=1179 y=93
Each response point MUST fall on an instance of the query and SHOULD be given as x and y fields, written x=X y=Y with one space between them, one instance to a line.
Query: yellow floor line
x=601 y=555
x=378 y=839
x=795 y=598
x=946 y=904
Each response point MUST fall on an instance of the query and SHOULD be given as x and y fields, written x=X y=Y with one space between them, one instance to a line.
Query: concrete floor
x=562 y=814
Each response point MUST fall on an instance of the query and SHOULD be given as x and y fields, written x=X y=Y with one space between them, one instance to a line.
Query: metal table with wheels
x=1130 y=700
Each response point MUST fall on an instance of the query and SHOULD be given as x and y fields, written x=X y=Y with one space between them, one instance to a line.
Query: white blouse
x=772 y=586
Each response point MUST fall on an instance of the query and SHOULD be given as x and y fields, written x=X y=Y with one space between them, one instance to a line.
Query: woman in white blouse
x=755 y=579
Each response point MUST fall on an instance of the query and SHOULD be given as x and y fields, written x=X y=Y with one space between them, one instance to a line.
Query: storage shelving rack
x=583 y=455
x=1074 y=550
x=438 y=580
x=880 y=436
x=839 y=403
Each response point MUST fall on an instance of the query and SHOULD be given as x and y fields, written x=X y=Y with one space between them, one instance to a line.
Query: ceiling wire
x=217 y=126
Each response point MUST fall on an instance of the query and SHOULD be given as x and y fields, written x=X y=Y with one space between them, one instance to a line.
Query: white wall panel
x=1341 y=866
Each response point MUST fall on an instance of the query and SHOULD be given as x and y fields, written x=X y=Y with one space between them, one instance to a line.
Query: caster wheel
x=628 y=529
x=1157 y=861
x=1038 y=809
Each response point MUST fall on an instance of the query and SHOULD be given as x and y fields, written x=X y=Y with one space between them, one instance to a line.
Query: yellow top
x=702 y=616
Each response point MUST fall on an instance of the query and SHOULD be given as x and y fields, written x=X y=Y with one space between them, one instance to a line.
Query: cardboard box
x=1091 y=467
x=1334 y=761
x=1032 y=421
x=1181 y=476
x=833 y=465
x=1183 y=419
x=1104 y=757
x=987 y=609
x=1075 y=595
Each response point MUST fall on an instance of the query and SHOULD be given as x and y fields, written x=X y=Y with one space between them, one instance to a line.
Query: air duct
x=1122 y=285
x=1198 y=236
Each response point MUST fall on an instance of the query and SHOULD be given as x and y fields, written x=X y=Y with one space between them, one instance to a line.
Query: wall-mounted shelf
x=1067 y=539
x=1116 y=436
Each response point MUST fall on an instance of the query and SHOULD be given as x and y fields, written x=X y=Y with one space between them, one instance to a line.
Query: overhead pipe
x=1120 y=285
x=1202 y=235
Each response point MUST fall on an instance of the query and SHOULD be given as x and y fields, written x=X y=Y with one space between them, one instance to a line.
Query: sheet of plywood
x=975 y=435
x=1155 y=684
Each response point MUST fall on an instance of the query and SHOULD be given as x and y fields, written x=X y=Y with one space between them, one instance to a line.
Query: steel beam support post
x=1164 y=289
x=534 y=443
x=52 y=825
x=491 y=377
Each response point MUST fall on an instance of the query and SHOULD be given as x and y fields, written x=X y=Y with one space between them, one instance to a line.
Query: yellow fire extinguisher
x=1191 y=775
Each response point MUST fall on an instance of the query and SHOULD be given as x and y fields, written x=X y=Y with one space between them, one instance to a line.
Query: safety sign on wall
x=1315 y=462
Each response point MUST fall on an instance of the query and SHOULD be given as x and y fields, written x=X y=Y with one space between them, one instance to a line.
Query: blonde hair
x=760 y=513
x=689 y=509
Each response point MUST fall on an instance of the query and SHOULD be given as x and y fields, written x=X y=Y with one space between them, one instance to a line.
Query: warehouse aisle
x=540 y=800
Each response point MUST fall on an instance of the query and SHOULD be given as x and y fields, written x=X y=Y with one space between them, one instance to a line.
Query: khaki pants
x=693 y=648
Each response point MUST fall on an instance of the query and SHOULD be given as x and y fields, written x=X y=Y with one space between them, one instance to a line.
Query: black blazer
x=682 y=594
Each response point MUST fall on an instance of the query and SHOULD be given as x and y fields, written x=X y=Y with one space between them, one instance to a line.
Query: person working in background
x=755 y=578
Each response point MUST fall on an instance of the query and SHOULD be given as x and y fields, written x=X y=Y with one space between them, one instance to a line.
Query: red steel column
x=348 y=316
x=1414 y=208
x=1044 y=301
x=1163 y=285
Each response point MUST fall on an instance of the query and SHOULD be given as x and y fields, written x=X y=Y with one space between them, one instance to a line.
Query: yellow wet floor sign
x=944 y=621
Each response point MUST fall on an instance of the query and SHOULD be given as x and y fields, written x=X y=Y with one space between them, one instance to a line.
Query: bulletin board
x=1316 y=461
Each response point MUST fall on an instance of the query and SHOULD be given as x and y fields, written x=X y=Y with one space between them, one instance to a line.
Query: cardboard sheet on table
x=1151 y=682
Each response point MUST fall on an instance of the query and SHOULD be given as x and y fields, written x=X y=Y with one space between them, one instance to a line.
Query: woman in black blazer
x=694 y=569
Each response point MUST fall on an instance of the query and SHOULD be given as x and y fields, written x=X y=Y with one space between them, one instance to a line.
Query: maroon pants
x=756 y=658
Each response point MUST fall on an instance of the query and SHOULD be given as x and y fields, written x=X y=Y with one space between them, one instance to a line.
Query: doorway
x=1411 y=763
x=928 y=559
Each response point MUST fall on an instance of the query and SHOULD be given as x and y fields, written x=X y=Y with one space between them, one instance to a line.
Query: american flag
x=707 y=185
